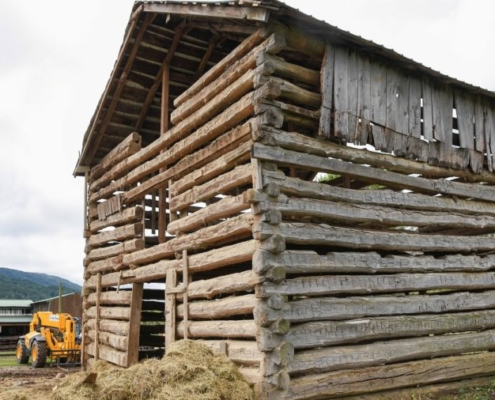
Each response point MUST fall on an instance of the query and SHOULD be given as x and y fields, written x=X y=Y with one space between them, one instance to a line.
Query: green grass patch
x=7 y=359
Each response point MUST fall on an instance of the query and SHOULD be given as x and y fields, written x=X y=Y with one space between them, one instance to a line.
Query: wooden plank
x=108 y=264
x=224 y=328
x=326 y=235
x=388 y=178
x=310 y=262
x=340 y=99
x=226 y=207
x=128 y=246
x=120 y=233
x=227 y=284
x=395 y=94
x=464 y=105
x=121 y=297
x=326 y=89
x=388 y=198
x=220 y=165
x=333 y=308
x=414 y=107
x=108 y=354
x=376 y=215
x=428 y=105
x=219 y=308
x=124 y=217
x=229 y=229
x=490 y=132
x=340 y=383
x=235 y=178
x=378 y=79
x=442 y=99
x=479 y=125
x=231 y=74
x=134 y=324
x=331 y=333
x=109 y=339
x=352 y=97
x=116 y=313
x=360 y=356
x=170 y=308
x=130 y=145
x=368 y=284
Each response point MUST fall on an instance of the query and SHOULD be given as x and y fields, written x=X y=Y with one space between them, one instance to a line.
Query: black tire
x=39 y=351
x=22 y=352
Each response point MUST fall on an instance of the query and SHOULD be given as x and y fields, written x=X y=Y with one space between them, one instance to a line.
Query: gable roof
x=15 y=303
x=191 y=37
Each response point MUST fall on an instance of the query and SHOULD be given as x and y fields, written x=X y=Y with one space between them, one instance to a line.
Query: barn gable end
x=315 y=206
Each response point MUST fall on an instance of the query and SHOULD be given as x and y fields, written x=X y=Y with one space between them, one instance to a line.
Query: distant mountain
x=19 y=285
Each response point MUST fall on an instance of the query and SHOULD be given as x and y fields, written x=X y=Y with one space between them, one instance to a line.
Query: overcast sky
x=56 y=57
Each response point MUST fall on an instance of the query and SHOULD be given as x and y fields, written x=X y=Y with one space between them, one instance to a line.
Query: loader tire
x=22 y=352
x=39 y=352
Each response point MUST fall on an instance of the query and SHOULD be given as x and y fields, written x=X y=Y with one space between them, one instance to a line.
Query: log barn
x=312 y=204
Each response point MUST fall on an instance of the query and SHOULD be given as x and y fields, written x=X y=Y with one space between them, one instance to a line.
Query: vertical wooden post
x=86 y=216
x=185 y=278
x=134 y=324
x=326 y=88
x=97 y=317
x=170 y=307
x=164 y=122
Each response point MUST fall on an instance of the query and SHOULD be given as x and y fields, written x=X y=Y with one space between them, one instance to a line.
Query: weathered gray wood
x=340 y=98
x=227 y=284
x=442 y=113
x=345 y=357
x=219 y=308
x=124 y=217
x=310 y=262
x=120 y=233
x=464 y=105
x=322 y=234
x=374 y=379
x=224 y=231
x=326 y=88
x=479 y=125
x=284 y=69
x=235 y=178
x=111 y=326
x=315 y=163
x=352 y=97
x=213 y=169
x=379 y=216
x=369 y=284
x=224 y=328
x=297 y=187
x=288 y=91
x=331 y=333
x=134 y=324
x=117 y=313
x=428 y=106
x=378 y=79
x=414 y=107
x=170 y=308
x=116 y=249
x=395 y=95
x=331 y=308
x=109 y=264
x=364 y=97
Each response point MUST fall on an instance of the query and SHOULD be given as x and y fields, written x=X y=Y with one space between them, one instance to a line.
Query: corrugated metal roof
x=15 y=303
x=53 y=298
x=15 y=319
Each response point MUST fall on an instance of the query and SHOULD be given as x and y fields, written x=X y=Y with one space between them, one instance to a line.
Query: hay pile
x=189 y=371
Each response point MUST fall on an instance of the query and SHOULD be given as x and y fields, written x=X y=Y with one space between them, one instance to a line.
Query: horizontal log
x=331 y=333
x=241 y=352
x=218 y=329
x=118 y=313
x=220 y=165
x=129 y=246
x=239 y=176
x=109 y=264
x=360 y=356
x=209 y=260
x=221 y=233
x=388 y=198
x=352 y=382
x=124 y=217
x=289 y=91
x=109 y=339
x=369 y=284
x=284 y=69
x=219 y=308
x=376 y=215
x=227 y=284
x=324 y=148
x=108 y=354
x=120 y=234
x=326 y=235
x=111 y=326
x=121 y=297
x=226 y=207
x=372 y=175
x=130 y=145
x=310 y=262
x=332 y=308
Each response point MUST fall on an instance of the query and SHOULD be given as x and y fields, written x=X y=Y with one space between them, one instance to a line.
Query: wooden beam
x=170 y=308
x=134 y=324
